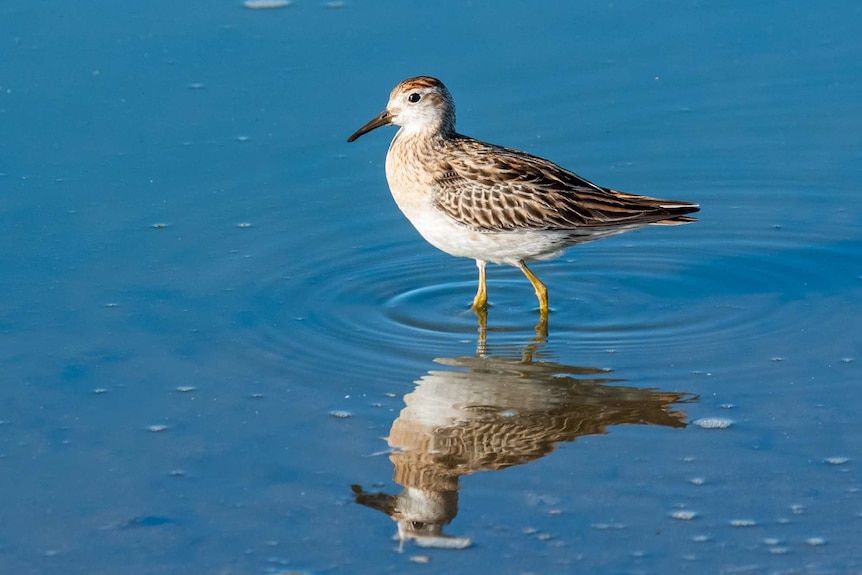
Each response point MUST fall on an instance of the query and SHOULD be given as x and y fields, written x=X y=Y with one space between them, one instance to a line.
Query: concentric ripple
x=367 y=306
x=394 y=299
x=655 y=295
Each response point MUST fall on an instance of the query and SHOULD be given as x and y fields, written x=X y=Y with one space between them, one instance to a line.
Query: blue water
x=217 y=332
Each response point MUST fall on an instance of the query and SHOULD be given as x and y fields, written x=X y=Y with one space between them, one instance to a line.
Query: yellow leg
x=481 y=299
x=541 y=290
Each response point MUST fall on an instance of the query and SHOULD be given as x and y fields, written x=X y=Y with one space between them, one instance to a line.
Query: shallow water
x=225 y=350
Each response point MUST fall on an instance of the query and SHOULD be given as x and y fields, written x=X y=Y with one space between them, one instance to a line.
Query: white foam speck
x=837 y=460
x=266 y=4
x=713 y=422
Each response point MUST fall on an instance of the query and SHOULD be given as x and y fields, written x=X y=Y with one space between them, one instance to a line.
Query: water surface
x=225 y=350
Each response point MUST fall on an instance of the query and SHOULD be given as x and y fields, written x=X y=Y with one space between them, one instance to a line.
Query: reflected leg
x=482 y=330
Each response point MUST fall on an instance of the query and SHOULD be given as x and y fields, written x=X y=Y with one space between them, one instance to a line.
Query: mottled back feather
x=492 y=188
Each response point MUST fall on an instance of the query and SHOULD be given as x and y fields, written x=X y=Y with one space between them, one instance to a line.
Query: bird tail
x=677 y=221
x=676 y=211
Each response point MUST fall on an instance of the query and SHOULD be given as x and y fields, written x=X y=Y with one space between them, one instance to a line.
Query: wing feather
x=492 y=188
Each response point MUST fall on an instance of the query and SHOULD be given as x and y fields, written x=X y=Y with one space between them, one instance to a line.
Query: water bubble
x=837 y=460
x=608 y=526
x=266 y=4
x=713 y=422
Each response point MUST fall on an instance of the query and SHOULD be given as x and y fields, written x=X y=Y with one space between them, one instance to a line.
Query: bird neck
x=429 y=134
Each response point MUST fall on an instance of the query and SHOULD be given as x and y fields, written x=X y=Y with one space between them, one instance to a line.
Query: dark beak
x=384 y=119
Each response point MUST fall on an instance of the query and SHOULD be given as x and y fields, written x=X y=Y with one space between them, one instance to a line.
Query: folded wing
x=491 y=188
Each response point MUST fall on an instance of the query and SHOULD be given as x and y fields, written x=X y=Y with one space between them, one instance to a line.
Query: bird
x=494 y=204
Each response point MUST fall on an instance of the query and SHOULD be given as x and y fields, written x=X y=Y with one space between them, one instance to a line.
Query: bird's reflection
x=491 y=411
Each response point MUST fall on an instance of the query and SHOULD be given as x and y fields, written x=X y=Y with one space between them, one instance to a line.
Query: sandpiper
x=493 y=204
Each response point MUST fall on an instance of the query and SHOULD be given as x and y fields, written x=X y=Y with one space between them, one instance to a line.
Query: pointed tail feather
x=677 y=221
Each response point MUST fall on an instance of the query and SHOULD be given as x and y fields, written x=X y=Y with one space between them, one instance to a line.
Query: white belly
x=495 y=247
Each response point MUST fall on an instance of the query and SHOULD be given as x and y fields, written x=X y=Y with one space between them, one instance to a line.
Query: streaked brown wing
x=492 y=188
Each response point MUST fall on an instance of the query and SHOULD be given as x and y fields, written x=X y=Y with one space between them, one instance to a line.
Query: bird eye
x=414 y=97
